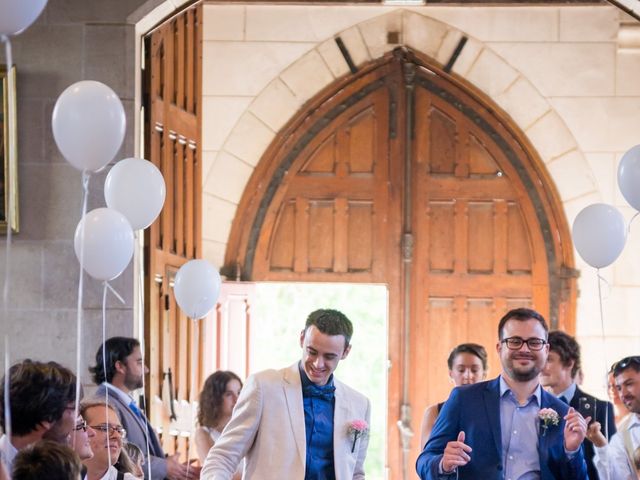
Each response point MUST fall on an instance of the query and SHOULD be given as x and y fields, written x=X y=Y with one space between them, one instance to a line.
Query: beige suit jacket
x=268 y=429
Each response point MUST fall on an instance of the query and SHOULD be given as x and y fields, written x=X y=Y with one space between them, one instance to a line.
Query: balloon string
x=7 y=400
x=144 y=389
x=104 y=361
x=7 y=186
x=7 y=258
x=602 y=339
x=602 y=279
x=116 y=294
x=630 y=222
x=79 y=311
x=194 y=358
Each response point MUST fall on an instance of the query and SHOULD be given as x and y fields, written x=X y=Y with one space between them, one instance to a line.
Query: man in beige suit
x=297 y=423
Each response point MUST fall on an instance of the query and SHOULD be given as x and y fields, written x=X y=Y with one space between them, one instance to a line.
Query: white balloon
x=108 y=243
x=88 y=124
x=135 y=187
x=599 y=234
x=197 y=287
x=629 y=176
x=17 y=15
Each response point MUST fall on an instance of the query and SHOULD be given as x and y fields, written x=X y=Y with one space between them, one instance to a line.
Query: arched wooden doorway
x=402 y=174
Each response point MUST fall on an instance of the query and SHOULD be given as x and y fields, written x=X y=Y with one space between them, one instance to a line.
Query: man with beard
x=509 y=427
x=619 y=460
x=118 y=374
x=42 y=401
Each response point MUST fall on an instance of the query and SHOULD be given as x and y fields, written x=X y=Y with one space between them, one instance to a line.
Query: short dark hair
x=211 y=397
x=331 y=322
x=46 y=459
x=521 y=315
x=632 y=362
x=567 y=349
x=472 y=348
x=117 y=350
x=38 y=392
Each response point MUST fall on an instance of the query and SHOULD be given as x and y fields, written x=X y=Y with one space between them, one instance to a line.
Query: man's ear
x=346 y=352
x=120 y=367
x=302 y=338
x=44 y=426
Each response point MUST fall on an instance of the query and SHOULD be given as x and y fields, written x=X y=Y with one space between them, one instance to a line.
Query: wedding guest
x=79 y=440
x=558 y=377
x=508 y=427
x=42 y=398
x=619 y=408
x=126 y=464
x=298 y=422
x=217 y=399
x=46 y=460
x=106 y=444
x=136 y=456
x=467 y=365
x=617 y=459
x=123 y=374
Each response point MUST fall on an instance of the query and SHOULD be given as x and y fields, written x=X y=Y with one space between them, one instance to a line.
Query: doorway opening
x=278 y=315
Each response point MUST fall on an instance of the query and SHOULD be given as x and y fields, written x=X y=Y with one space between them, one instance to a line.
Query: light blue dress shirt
x=519 y=425
x=569 y=393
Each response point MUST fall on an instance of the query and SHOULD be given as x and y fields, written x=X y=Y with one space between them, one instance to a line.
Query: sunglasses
x=623 y=364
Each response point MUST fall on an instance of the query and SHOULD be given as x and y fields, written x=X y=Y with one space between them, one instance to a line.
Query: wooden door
x=404 y=175
x=174 y=343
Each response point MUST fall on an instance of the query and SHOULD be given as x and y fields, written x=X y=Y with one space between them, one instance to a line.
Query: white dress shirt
x=7 y=452
x=612 y=460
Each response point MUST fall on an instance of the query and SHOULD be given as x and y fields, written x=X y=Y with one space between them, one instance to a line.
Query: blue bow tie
x=325 y=392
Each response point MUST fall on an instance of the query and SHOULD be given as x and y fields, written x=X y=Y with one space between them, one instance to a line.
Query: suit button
x=499 y=467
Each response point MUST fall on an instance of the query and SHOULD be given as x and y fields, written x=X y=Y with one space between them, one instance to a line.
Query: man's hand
x=181 y=471
x=595 y=435
x=456 y=454
x=575 y=429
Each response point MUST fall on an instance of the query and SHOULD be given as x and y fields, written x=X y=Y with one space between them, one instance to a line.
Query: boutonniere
x=548 y=416
x=356 y=429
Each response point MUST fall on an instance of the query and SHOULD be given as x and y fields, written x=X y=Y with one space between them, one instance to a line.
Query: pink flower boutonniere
x=548 y=416
x=356 y=429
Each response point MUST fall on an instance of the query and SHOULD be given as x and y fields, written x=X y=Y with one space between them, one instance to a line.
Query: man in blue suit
x=493 y=430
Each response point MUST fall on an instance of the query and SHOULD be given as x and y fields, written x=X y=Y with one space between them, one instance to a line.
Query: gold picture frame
x=8 y=151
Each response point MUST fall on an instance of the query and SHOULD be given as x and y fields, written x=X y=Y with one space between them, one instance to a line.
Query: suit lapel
x=292 y=387
x=341 y=443
x=491 y=396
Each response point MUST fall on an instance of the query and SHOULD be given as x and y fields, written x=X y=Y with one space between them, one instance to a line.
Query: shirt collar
x=504 y=388
x=305 y=379
x=569 y=392
x=124 y=396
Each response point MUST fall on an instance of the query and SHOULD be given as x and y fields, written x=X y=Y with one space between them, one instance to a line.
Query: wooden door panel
x=418 y=182
x=174 y=342
x=326 y=224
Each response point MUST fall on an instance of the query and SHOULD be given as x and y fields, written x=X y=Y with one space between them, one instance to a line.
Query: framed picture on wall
x=8 y=152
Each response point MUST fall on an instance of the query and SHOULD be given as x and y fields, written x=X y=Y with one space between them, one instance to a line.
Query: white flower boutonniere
x=356 y=429
x=548 y=417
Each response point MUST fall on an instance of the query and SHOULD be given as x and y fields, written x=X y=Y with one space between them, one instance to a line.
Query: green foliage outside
x=278 y=317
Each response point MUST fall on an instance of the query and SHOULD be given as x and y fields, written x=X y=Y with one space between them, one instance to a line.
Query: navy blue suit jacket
x=475 y=409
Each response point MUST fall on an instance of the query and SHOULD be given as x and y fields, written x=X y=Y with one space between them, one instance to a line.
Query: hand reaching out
x=456 y=454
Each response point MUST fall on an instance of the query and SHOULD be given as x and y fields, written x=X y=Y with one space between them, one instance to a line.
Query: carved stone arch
x=329 y=202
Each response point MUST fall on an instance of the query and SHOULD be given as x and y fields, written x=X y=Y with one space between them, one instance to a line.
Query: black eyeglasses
x=81 y=426
x=515 y=343
x=110 y=429
x=617 y=367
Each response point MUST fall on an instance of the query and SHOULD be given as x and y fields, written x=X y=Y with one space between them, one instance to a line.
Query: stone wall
x=73 y=40
x=566 y=75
